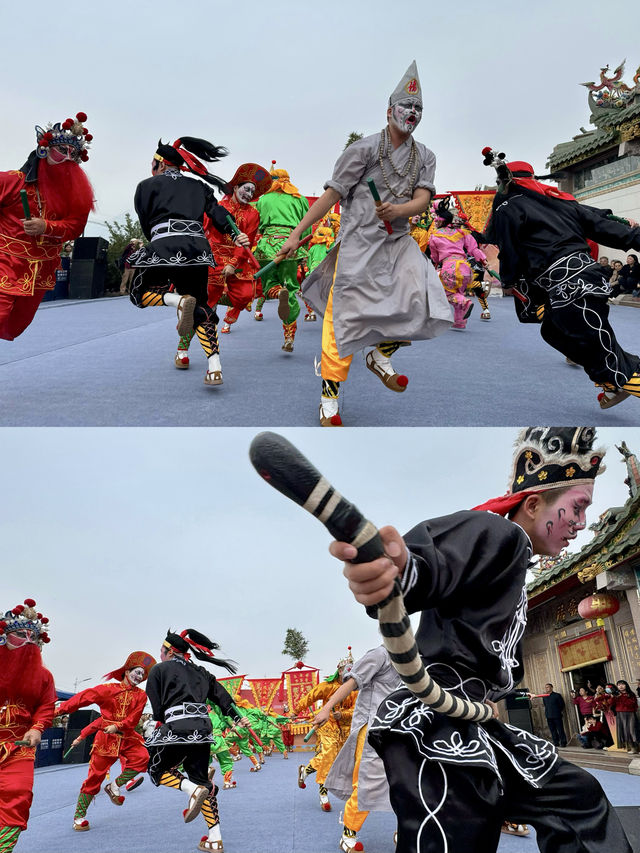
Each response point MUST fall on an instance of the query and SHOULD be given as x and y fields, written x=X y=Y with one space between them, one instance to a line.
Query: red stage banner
x=232 y=685
x=264 y=691
x=297 y=683
x=587 y=649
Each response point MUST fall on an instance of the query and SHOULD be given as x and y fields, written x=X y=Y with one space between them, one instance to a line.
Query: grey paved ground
x=266 y=813
x=105 y=363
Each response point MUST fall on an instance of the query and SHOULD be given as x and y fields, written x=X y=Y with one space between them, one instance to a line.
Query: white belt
x=188 y=710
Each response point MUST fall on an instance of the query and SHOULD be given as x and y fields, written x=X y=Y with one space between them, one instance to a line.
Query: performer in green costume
x=281 y=209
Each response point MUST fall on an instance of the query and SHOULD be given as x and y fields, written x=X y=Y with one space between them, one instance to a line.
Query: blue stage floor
x=266 y=813
x=106 y=363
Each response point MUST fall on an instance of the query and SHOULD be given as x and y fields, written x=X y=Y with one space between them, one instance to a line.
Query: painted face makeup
x=245 y=192
x=60 y=154
x=559 y=522
x=406 y=115
x=18 y=639
x=135 y=675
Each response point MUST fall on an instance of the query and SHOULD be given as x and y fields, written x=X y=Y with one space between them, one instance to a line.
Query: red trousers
x=16 y=788
x=17 y=312
x=240 y=292
x=133 y=756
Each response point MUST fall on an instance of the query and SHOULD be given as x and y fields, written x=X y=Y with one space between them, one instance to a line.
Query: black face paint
x=549 y=528
x=561 y=512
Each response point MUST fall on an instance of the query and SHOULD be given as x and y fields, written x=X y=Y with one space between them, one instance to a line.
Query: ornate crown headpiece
x=135 y=659
x=70 y=132
x=551 y=457
x=24 y=617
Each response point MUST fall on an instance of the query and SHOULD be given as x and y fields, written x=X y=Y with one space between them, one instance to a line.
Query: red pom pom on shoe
x=358 y=846
x=336 y=420
x=402 y=381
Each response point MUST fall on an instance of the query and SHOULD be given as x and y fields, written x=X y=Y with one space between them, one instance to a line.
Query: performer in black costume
x=172 y=269
x=542 y=235
x=454 y=782
x=179 y=691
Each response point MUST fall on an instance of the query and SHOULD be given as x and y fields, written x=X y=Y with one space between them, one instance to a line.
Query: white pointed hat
x=409 y=86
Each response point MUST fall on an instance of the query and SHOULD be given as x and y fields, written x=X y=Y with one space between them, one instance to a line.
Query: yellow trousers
x=332 y=366
x=331 y=740
x=353 y=817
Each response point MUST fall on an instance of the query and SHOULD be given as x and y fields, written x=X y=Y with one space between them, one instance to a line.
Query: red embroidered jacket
x=28 y=263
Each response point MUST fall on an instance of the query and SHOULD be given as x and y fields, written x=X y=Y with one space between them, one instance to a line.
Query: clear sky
x=289 y=81
x=120 y=534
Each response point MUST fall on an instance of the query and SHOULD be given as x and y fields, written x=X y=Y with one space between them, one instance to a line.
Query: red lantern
x=299 y=664
x=598 y=606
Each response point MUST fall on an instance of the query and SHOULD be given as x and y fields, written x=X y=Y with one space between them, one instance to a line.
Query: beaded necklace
x=411 y=167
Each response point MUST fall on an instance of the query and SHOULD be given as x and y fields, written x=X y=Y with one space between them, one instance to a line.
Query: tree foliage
x=120 y=233
x=295 y=644
x=354 y=136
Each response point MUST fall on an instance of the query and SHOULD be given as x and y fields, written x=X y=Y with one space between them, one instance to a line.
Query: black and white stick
x=290 y=472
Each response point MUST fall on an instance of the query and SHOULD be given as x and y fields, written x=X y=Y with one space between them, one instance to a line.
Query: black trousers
x=458 y=807
x=558 y=737
x=581 y=331
x=187 y=281
x=193 y=758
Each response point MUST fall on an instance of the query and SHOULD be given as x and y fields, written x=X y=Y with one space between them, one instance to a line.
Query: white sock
x=172 y=299
x=114 y=789
x=214 y=833
x=329 y=406
x=382 y=360
x=188 y=786
x=183 y=353
x=214 y=362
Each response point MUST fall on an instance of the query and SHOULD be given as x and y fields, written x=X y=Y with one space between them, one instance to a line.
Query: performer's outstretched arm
x=372 y=582
x=318 y=209
x=341 y=693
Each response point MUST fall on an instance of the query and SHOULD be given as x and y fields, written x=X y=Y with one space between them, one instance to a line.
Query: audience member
x=553 y=708
x=625 y=705
x=607 y=269
x=593 y=734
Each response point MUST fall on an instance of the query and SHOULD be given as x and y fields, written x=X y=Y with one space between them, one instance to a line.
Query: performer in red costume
x=27 y=703
x=121 y=706
x=60 y=199
x=234 y=272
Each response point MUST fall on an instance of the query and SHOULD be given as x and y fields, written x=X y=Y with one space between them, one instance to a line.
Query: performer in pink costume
x=449 y=247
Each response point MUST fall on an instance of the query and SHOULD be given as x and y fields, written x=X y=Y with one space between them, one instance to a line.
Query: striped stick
x=287 y=470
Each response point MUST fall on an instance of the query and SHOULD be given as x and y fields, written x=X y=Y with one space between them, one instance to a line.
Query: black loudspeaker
x=86 y=279
x=521 y=718
x=90 y=249
x=80 y=719
x=630 y=820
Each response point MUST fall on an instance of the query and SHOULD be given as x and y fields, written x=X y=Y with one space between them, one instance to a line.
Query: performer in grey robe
x=375 y=289
x=357 y=775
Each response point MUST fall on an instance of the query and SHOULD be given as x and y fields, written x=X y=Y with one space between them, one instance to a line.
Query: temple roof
x=615 y=107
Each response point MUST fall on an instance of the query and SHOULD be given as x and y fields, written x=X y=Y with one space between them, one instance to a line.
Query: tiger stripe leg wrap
x=208 y=336
x=84 y=801
x=8 y=838
x=126 y=776
x=171 y=780
x=482 y=299
x=388 y=348
x=210 y=810
x=632 y=386
x=152 y=298
x=330 y=389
